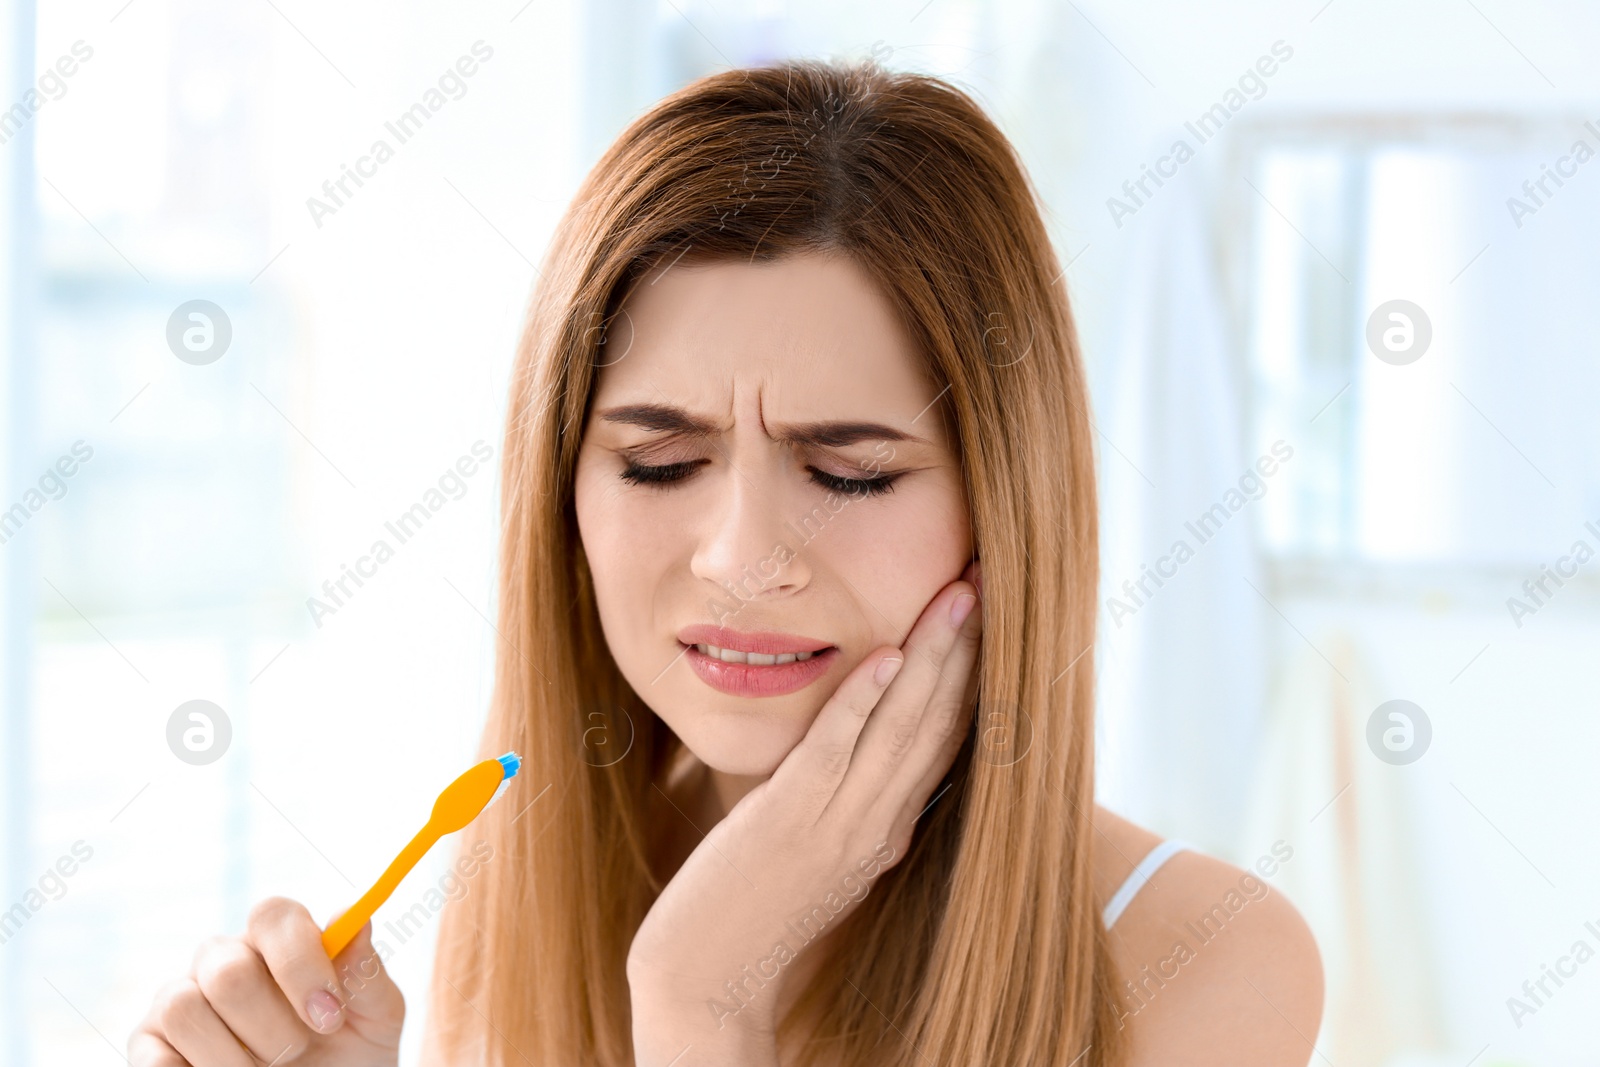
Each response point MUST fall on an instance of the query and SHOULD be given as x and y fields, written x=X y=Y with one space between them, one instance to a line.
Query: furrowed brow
x=667 y=418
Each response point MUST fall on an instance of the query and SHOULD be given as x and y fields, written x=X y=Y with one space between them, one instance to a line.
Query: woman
x=800 y=356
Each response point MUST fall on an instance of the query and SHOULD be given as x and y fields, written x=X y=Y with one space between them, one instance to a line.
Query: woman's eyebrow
x=661 y=418
x=666 y=418
x=839 y=434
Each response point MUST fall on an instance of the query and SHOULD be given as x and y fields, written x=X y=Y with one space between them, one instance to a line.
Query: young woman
x=800 y=356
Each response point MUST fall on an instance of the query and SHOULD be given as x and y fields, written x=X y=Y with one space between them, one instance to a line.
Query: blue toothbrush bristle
x=511 y=762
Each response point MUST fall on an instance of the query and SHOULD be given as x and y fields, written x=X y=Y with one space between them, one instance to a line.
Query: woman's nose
x=747 y=545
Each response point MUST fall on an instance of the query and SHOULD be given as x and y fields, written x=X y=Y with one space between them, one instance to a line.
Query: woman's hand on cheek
x=798 y=851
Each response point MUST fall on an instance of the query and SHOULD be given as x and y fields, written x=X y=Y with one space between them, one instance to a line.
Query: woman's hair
x=984 y=944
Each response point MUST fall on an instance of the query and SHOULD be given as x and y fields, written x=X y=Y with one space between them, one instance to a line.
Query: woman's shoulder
x=1214 y=965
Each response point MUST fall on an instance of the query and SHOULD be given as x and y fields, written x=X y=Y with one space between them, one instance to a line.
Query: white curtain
x=1182 y=674
x=1358 y=869
x=1205 y=734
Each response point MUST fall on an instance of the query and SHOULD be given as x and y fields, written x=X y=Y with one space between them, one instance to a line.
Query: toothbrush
x=460 y=803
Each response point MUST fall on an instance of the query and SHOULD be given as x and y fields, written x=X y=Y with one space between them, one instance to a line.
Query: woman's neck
x=726 y=790
x=701 y=793
x=698 y=798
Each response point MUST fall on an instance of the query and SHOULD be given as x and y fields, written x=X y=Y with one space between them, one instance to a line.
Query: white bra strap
x=1141 y=874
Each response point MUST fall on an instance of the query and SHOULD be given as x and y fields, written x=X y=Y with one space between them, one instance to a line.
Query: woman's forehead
x=805 y=339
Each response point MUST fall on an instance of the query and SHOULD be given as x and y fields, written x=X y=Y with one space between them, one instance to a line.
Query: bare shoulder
x=1216 y=967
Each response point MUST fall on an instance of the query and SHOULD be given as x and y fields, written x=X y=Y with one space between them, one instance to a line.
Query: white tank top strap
x=1140 y=875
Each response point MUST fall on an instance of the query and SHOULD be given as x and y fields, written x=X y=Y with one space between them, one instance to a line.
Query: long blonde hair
x=984 y=944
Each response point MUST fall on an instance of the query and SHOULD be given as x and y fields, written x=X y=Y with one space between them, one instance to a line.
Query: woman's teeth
x=759 y=659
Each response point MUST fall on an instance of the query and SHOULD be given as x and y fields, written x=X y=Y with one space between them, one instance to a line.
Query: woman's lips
x=769 y=642
x=760 y=680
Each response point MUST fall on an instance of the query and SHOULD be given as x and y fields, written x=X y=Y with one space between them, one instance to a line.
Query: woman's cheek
x=631 y=557
x=608 y=530
x=900 y=556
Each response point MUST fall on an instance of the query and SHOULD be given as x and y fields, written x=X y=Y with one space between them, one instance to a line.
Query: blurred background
x=1334 y=267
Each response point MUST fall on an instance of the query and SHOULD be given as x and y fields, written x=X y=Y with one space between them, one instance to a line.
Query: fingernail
x=886 y=670
x=962 y=608
x=323 y=1008
x=977 y=576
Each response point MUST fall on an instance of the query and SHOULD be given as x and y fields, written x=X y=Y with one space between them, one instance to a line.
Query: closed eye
x=883 y=483
x=666 y=474
x=639 y=474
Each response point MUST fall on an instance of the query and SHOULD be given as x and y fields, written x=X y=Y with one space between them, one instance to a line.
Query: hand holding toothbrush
x=290 y=992
x=273 y=994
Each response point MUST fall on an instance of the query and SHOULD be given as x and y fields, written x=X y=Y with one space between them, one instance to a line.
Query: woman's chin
x=746 y=750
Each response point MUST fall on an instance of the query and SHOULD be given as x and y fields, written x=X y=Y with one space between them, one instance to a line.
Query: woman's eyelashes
x=640 y=474
x=882 y=483
x=665 y=474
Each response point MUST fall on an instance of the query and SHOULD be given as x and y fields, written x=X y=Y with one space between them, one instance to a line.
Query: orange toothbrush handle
x=343 y=930
x=458 y=805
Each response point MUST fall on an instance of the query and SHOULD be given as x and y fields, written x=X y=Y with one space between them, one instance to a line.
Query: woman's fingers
x=813 y=769
x=931 y=683
x=944 y=726
x=874 y=743
x=946 y=720
x=191 y=1026
x=244 y=1003
x=145 y=1049
x=364 y=982
x=289 y=942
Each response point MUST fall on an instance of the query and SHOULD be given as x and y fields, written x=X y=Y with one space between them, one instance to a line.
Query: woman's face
x=764 y=471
